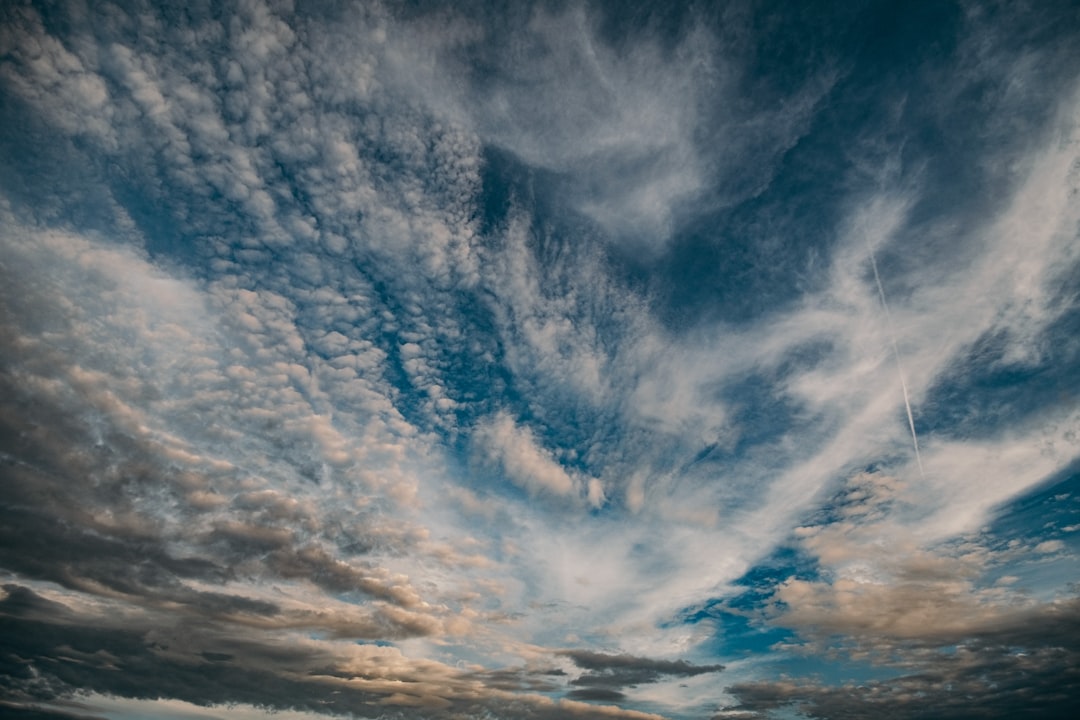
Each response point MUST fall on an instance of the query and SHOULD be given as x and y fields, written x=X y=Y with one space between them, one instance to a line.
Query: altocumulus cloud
x=401 y=360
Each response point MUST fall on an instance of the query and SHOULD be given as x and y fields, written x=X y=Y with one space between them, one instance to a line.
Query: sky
x=498 y=360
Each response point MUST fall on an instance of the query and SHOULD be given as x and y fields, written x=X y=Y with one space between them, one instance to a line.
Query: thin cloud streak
x=899 y=366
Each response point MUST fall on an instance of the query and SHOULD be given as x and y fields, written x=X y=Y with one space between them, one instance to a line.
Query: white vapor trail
x=899 y=367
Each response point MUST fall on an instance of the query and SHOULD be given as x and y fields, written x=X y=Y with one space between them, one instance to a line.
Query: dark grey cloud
x=596 y=694
x=70 y=516
x=519 y=679
x=607 y=672
x=1026 y=666
x=70 y=485
x=51 y=652
x=1043 y=684
x=30 y=711
x=589 y=660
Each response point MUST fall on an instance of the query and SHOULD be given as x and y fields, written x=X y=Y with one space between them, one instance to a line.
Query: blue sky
x=539 y=360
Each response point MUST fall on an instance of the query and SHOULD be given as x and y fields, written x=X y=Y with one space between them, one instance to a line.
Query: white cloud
x=526 y=463
x=1050 y=546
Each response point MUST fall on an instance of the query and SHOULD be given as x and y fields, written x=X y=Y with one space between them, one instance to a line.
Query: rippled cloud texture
x=551 y=360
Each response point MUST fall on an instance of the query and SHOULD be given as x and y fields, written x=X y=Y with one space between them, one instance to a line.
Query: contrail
x=899 y=367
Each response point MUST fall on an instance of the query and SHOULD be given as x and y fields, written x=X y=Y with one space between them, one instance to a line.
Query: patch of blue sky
x=998 y=385
x=877 y=128
x=741 y=619
x=760 y=254
x=923 y=34
x=777 y=648
x=1034 y=541
x=39 y=173
x=760 y=251
x=761 y=409
x=721 y=274
x=739 y=636
x=842 y=497
x=835 y=669
x=1050 y=507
